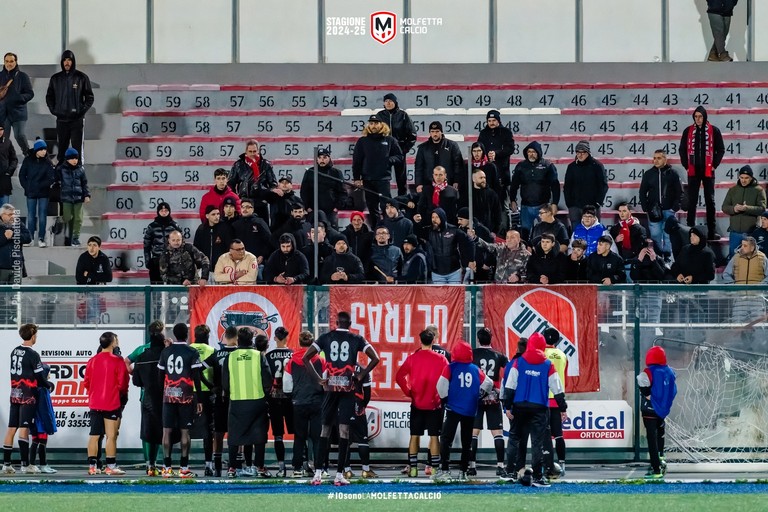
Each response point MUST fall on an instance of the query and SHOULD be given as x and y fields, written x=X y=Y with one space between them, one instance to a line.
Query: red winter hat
x=357 y=214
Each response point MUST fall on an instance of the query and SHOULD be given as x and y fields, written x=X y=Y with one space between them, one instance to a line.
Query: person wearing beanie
x=559 y=360
x=658 y=388
x=660 y=194
x=399 y=227
x=585 y=183
x=156 y=239
x=36 y=178
x=492 y=362
x=695 y=264
x=530 y=380
x=498 y=143
x=331 y=196
x=402 y=129
x=536 y=179
x=70 y=178
x=69 y=97
x=358 y=236
x=13 y=106
x=701 y=150
x=415 y=269
x=252 y=176
x=342 y=267
x=375 y=153
x=218 y=192
x=436 y=151
x=743 y=203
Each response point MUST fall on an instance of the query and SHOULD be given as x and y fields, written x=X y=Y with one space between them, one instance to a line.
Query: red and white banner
x=260 y=308
x=520 y=311
x=391 y=319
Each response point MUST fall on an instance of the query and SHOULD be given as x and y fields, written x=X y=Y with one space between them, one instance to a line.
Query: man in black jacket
x=286 y=265
x=8 y=164
x=93 y=265
x=212 y=237
x=438 y=193
x=331 y=194
x=372 y=160
x=660 y=193
x=437 y=151
x=604 y=266
x=485 y=203
x=499 y=143
x=414 y=262
x=342 y=267
x=68 y=98
x=585 y=183
x=536 y=178
x=252 y=176
x=254 y=233
x=450 y=250
x=13 y=235
x=401 y=127
x=399 y=227
x=546 y=265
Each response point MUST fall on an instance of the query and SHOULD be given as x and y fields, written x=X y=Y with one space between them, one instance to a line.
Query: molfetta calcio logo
x=383 y=26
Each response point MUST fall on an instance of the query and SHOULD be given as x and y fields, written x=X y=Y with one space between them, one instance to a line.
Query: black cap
x=746 y=170
x=229 y=201
x=286 y=178
x=374 y=119
x=436 y=125
x=390 y=96
x=411 y=239
x=494 y=114
x=323 y=151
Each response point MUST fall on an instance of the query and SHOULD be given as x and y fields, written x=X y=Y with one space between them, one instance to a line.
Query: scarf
x=626 y=243
x=254 y=165
x=709 y=150
x=482 y=163
x=437 y=188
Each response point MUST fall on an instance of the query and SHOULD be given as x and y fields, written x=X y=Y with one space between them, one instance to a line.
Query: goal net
x=721 y=410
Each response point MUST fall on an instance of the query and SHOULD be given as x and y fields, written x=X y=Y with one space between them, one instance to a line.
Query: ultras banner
x=513 y=312
x=391 y=318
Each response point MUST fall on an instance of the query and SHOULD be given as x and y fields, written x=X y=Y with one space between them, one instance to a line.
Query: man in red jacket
x=417 y=377
x=106 y=379
x=218 y=193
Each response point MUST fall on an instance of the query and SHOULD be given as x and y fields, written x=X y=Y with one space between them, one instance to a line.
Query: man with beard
x=483 y=259
x=399 y=227
x=69 y=97
x=485 y=203
x=254 y=233
x=155 y=239
x=331 y=194
x=450 y=250
x=342 y=267
x=480 y=160
x=359 y=236
x=437 y=151
x=414 y=262
x=585 y=184
x=372 y=160
x=218 y=193
x=286 y=265
x=324 y=249
x=386 y=259
x=498 y=141
x=252 y=176
x=297 y=226
x=281 y=206
x=237 y=266
x=660 y=193
x=180 y=262
x=212 y=237
x=536 y=178
x=401 y=127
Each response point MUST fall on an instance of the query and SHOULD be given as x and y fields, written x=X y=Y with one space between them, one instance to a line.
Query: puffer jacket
x=73 y=182
x=537 y=181
x=36 y=176
x=156 y=236
x=374 y=156
x=401 y=127
x=753 y=195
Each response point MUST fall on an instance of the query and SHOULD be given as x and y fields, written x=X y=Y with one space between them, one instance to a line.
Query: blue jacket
x=36 y=176
x=589 y=235
x=9 y=255
x=533 y=384
x=73 y=182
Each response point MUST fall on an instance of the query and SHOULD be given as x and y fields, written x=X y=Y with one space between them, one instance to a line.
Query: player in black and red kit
x=436 y=347
x=492 y=363
x=180 y=370
x=280 y=406
x=341 y=349
x=359 y=428
x=26 y=376
x=221 y=400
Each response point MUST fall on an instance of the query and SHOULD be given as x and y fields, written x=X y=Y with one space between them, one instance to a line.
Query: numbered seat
x=128 y=227
x=180 y=197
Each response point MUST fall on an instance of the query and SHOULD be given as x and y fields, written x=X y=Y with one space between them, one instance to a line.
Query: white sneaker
x=7 y=470
x=42 y=244
x=31 y=470
x=27 y=245
x=247 y=471
x=48 y=470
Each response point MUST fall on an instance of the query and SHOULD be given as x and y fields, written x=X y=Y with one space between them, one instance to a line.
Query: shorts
x=98 y=417
x=22 y=415
x=221 y=415
x=280 y=415
x=358 y=429
x=431 y=421
x=493 y=414
x=338 y=407
x=180 y=416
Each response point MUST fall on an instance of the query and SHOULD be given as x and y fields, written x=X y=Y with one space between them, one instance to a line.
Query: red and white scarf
x=480 y=163
x=709 y=150
x=626 y=243
x=254 y=165
x=437 y=188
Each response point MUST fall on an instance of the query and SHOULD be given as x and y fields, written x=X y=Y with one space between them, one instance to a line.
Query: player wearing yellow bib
x=560 y=362
x=203 y=426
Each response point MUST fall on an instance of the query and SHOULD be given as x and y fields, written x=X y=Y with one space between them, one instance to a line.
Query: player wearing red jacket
x=106 y=379
x=417 y=377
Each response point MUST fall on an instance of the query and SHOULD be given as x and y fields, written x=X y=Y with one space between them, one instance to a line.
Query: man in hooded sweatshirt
x=701 y=151
x=372 y=160
x=342 y=267
x=450 y=250
x=286 y=265
x=499 y=143
x=536 y=178
x=331 y=195
x=218 y=193
x=658 y=389
x=460 y=386
x=399 y=227
x=68 y=98
x=401 y=127
x=744 y=203
x=526 y=399
x=415 y=270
